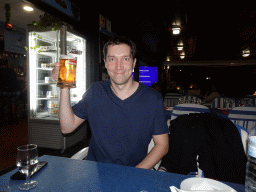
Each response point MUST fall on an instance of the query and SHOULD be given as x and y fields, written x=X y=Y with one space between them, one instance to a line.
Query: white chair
x=150 y=146
x=243 y=116
x=244 y=136
x=187 y=108
x=80 y=155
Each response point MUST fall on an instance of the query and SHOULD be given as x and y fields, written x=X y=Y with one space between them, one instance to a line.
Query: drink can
x=67 y=72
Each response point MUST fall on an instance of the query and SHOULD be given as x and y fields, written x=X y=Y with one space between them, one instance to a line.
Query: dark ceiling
x=217 y=34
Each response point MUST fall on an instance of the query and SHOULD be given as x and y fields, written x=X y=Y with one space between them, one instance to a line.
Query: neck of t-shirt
x=125 y=91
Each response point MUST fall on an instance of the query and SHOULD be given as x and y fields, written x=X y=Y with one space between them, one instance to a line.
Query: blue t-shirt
x=121 y=129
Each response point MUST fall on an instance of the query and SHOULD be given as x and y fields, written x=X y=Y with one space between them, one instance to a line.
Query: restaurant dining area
x=192 y=94
x=226 y=139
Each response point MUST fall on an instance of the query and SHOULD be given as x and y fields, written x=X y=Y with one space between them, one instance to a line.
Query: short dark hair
x=117 y=40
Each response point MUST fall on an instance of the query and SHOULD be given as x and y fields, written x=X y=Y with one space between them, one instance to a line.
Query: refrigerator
x=44 y=49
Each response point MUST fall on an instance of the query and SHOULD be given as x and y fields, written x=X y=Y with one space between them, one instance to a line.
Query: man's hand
x=55 y=71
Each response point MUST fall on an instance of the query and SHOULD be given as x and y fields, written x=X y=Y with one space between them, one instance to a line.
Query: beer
x=67 y=72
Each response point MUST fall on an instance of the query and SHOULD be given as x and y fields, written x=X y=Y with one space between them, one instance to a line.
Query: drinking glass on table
x=27 y=160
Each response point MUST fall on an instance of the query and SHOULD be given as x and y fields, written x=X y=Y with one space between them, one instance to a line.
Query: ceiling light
x=176 y=30
x=180 y=48
x=246 y=52
x=27 y=8
x=182 y=55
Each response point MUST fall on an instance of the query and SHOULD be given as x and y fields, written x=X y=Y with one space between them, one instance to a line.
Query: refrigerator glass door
x=76 y=47
x=44 y=93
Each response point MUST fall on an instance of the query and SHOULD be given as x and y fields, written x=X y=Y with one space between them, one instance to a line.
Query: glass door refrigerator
x=44 y=49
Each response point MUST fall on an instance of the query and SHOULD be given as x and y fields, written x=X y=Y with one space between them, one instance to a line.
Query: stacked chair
x=171 y=99
x=223 y=102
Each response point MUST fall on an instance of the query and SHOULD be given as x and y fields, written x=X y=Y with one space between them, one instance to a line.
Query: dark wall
x=146 y=30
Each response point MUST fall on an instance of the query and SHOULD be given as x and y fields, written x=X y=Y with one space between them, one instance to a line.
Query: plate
x=204 y=184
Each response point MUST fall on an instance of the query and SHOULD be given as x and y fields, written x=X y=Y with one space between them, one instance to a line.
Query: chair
x=199 y=138
x=178 y=110
x=190 y=99
x=243 y=116
x=182 y=109
x=81 y=154
x=187 y=108
x=245 y=119
x=244 y=136
x=223 y=102
x=171 y=99
x=252 y=101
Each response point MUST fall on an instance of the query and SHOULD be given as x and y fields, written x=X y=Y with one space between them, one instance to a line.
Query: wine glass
x=27 y=160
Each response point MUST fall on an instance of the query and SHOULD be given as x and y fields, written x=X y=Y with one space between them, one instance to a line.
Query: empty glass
x=27 y=160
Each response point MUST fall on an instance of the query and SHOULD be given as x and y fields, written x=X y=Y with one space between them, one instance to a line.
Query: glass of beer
x=67 y=72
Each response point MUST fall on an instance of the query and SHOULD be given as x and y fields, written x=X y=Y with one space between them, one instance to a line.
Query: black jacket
x=217 y=142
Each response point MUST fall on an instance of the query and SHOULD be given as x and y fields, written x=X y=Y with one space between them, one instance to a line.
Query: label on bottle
x=252 y=146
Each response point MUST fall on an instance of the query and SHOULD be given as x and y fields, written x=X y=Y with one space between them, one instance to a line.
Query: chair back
x=223 y=102
x=190 y=99
x=171 y=99
x=252 y=100
x=187 y=109
x=243 y=116
x=81 y=154
x=244 y=136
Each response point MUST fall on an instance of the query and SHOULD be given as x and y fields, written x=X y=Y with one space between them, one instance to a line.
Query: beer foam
x=67 y=57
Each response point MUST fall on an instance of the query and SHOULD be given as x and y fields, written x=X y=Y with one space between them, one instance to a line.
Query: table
x=220 y=112
x=65 y=174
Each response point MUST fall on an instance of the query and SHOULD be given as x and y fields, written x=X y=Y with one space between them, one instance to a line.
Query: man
x=123 y=114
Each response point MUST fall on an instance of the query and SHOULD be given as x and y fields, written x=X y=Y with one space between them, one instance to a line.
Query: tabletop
x=65 y=174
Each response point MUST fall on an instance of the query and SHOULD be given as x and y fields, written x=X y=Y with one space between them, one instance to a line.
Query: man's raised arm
x=68 y=120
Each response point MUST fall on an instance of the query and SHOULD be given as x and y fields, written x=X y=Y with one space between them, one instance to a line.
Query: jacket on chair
x=215 y=140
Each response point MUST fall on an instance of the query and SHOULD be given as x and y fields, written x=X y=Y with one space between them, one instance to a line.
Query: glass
x=67 y=72
x=27 y=160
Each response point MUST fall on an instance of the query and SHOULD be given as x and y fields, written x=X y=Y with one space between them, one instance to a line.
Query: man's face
x=119 y=64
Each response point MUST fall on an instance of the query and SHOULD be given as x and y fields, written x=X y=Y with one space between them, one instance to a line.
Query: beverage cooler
x=45 y=48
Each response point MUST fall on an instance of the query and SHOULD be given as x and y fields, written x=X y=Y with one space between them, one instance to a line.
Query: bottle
x=250 y=178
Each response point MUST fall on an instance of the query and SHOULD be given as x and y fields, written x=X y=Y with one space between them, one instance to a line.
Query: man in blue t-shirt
x=124 y=115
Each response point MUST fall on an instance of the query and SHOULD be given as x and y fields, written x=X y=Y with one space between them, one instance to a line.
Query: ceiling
x=19 y=17
x=219 y=34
